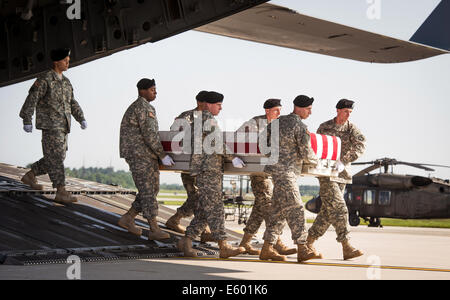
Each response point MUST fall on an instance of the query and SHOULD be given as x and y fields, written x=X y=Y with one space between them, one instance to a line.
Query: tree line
x=111 y=177
x=125 y=180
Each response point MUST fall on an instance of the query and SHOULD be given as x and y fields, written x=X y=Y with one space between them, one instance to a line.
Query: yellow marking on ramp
x=400 y=268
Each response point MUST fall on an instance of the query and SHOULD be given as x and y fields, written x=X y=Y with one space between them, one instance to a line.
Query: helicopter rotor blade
x=367 y=170
x=431 y=165
x=386 y=162
x=419 y=166
x=363 y=163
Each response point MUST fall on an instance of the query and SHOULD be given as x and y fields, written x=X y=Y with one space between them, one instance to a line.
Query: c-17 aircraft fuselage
x=97 y=28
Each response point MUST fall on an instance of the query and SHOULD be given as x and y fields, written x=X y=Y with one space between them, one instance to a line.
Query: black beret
x=59 y=54
x=303 y=101
x=145 y=83
x=213 y=97
x=201 y=97
x=344 y=103
x=271 y=103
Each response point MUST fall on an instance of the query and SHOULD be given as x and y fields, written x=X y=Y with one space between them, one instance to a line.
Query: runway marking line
x=400 y=268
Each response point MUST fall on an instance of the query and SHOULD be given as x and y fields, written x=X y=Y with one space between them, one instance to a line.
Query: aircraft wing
x=276 y=25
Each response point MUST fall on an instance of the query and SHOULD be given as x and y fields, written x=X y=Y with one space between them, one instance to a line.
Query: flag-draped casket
x=245 y=145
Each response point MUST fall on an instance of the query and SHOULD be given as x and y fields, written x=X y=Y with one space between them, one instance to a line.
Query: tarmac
x=391 y=253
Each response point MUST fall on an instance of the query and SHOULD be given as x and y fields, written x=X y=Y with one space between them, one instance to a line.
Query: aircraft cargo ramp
x=36 y=230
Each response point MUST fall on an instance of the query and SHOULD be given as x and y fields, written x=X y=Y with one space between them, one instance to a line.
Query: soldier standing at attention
x=294 y=148
x=141 y=147
x=207 y=165
x=261 y=184
x=334 y=209
x=190 y=205
x=52 y=97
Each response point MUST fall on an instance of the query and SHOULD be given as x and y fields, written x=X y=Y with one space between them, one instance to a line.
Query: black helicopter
x=389 y=195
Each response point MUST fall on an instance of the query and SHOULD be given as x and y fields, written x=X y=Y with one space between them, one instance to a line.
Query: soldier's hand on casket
x=238 y=163
x=28 y=128
x=167 y=161
x=340 y=166
x=83 y=125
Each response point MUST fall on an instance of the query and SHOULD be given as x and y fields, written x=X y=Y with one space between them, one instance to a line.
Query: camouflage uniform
x=334 y=209
x=261 y=184
x=54 y=102
x=208 y=169
x=141 y=147
x=294 y=148
x=262 y=188
x=189 y=182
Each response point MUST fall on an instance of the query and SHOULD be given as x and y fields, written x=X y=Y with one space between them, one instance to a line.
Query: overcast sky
x=403 y=109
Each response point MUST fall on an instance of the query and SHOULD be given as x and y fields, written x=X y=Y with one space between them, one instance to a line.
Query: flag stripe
x=314 y=142
x=324 y=147
x=335 y=148
x=319 y=146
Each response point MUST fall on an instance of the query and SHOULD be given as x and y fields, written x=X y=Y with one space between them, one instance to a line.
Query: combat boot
x=185 y=245
x=155 y=233
x=30 y=179
x=63 y=196
x=304 y=253
x=127 y=222
x=207 y=236
x=174 y=223
x=349 y=252
x=283 y=249
x=228 y=251
x=310 y=243
x=269 y=253
x=246 y=244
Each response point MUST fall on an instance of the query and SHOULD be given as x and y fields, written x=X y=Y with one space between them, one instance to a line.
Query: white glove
x=238 y=163
x=339 y=166
x=28 y=128
x=83 y=125
x=167 y=161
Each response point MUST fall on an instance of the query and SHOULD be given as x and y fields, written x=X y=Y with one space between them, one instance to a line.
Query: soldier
x=334 y=210
x=207 y=165
x=52 y=97
x=294 y=148
x=141 y=147
x=261 y=184
x=190 y=205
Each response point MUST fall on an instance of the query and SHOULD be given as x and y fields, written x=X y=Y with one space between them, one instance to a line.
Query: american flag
x=325 y=146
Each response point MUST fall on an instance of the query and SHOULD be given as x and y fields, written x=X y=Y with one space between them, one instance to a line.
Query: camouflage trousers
x=286 y=207
x=262 y=189
x=189 y=207
x=146 y=178
x=210 y=207
x=332 y=212
x=54 y=147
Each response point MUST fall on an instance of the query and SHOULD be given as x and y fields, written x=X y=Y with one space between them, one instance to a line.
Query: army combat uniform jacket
x=189 y=182
x=212 y=157
x=261 y=183
x=294 y=147
x=188 y=115
x=255 y=124
x=54 y=103
x=141 y=147
x=53 y=99
x=139 y=133
x=293 y=143
x=353 y=145
x=187 y=118
x=207 y=165
x=334 y=210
